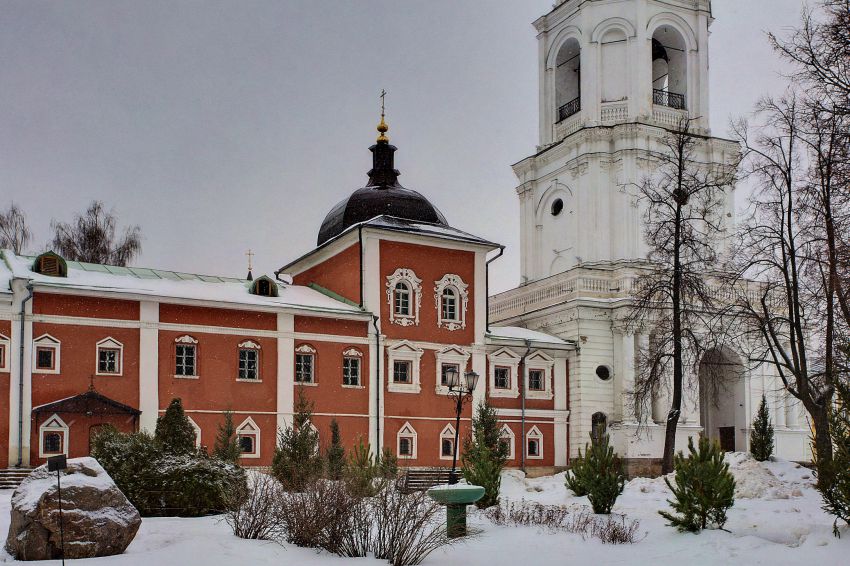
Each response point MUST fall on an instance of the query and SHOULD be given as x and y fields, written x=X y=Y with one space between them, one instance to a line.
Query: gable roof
x=90 y=402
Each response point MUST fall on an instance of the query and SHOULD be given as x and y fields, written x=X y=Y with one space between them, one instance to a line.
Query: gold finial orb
x=382 y=126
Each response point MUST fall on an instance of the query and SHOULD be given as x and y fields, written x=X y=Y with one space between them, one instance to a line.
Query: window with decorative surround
x=52 y=437
x=539 y=377
x=248 y=437
x=186 y=357
x=404 y=296
x=534 y=444
x=305 y=364
x=508 y=440
x=451 y=298
x=249 y=361
x=404 y=358
x=351 y=362
x=406 y=442
x=447 y=442
x=503 y=368
x=110 y=357
x=450 y=357
x=47 y=354
x=4 y=353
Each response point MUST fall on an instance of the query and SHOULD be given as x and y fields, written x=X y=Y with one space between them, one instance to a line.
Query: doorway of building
x=722 y=404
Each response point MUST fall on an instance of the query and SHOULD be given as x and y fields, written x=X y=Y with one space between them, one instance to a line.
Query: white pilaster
x=148 y=365
x=16 y=375
x=372 y=295
x=285 y=369
x=560 y=435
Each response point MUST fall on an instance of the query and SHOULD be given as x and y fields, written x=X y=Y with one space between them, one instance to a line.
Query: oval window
x=557 y=207
x=603 y=373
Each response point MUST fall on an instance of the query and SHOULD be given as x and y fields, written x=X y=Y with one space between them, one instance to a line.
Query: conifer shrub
x=834 y=478
x=335 y=456
x=226 y=447
x=361 y=470
x=388 y=464
x=578 y=475
x=761 y=439
x=296 y=460
x=484 y=455
x=174 y=431
x=603 y=476
x=704 y=488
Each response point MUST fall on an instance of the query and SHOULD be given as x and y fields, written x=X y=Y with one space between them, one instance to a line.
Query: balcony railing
x=669 y=99
x=570 y=108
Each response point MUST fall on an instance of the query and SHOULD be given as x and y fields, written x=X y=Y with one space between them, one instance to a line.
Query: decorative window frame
x=353 y=353
x=249 y=428
x=190 y=341
x=109 y=343
x=455 y=282
x=197 y=430
x=449 y=355
x=507 y=433
x=408 y=352
x=47 y=341
x=448 y=432
x=407 y=431
x=534 y=434
x=504 y=357
x=249 y=345
x=540 y=361
x=305 y=350
x=5 y=356
x=53 y=424
x=408 y=276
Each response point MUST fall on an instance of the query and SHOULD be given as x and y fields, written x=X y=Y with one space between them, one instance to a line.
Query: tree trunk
x=823 y=442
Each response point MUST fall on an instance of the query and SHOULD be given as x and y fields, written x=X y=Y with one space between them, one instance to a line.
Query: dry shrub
x=319 y=516
x=610 y=529
x=253 y=512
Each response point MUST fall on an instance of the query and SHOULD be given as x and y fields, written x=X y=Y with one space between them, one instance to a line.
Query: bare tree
x=91 y=238
x=683 y=226
x=14 y=233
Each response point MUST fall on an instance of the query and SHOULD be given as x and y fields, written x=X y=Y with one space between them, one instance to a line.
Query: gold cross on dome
x=250 y=255
x=382 y=97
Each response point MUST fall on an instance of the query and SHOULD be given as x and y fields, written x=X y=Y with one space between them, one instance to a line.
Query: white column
x=20 y=293
x=285 y=369
x=627 y=377
x=560 y=437
x=148 y=365
x=373 y=289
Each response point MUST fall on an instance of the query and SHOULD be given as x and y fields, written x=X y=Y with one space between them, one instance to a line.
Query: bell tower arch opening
x=669 y=68
x=568 y=79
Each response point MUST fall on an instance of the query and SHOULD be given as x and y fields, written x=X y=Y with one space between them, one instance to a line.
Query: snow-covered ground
x=776 y=520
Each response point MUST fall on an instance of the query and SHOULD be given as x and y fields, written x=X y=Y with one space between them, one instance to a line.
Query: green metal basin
x=457 y=494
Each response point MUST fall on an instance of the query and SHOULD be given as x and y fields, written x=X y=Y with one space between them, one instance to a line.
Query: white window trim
x=407 y=352
x=406 y=431
x=447 y=432
x=109 y=343
x=53 y=424
x=539 y=361
x=6 y=343
x=354 y=353
x=197 y=431
x=309 y=350
x=47 y=341
x=450 y=355
x=456 y=283
x=534 y=433
x=507 y=358
x=408 y=276
x=507 y=433
x=249 y=345
x=249 y=422
x=186 y=339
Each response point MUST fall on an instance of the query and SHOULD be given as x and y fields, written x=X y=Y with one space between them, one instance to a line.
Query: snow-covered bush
x=158 y=482
x=318 y=516
x=761 y=438
x=174 y=432
x=255 y=511
x=704 y=488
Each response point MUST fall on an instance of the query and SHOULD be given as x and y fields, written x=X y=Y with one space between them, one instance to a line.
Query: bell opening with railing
x=669 y=99
x=570 y=108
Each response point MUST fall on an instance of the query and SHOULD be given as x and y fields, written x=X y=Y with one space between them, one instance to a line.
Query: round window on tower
x=603 y=373
x=557 y=207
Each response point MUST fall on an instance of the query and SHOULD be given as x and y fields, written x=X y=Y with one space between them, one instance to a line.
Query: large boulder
x=97 y=519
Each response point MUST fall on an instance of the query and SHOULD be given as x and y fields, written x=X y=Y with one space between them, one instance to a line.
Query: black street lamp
x=461 y=390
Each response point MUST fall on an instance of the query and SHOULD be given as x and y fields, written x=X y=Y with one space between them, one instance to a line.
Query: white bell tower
x=613 y=75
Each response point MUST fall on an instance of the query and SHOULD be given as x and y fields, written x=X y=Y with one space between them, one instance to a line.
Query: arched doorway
x=722 y=398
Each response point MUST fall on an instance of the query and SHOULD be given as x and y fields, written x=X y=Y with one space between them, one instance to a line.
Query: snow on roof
x=519 y=333
x=167 y=284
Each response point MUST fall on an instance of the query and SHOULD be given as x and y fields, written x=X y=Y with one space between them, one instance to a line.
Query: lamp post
x=461 y=390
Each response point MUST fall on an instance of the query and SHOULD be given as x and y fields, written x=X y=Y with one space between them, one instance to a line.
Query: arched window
x=53 y=437
x=248 y=437
x=599 y=426
x=568 y=79
x=451 y=298
x=447 y=442
x=507 y=439
x=449 y=304
x=401 y=299
x=669 y=68
x=404 y=295
x=264 y=287
x=534 y=444
x=406 y=442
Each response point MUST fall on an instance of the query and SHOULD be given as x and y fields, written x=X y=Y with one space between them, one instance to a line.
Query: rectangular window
x=249 y=363
x=45 y=358
x=401 y=372
x=185 y=360
x=405 y=446
x=401 y=300
x=2 y=356
x=533 y=447
x=108 y=360
x=52 y=442
x=247 y=444
x=351 y=371
x=447 y=447
x=535 y=380
x=444 y=379
x=502 y=378
x=304 y=368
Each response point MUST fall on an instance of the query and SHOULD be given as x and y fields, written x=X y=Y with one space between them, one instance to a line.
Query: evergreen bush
x=226 y=446
x=761 y=440
x=834 y=479
x=361 y=471
x=174 y=431
x=296 y=459
x=704 y=488
x=578 y=475
x=603 y=476
x=388 y=464
x=336 y=454
x=484 y=455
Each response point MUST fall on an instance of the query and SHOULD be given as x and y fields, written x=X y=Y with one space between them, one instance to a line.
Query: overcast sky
x=223 y=126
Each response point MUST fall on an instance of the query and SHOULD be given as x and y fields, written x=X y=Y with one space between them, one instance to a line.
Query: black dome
x=383 y=195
